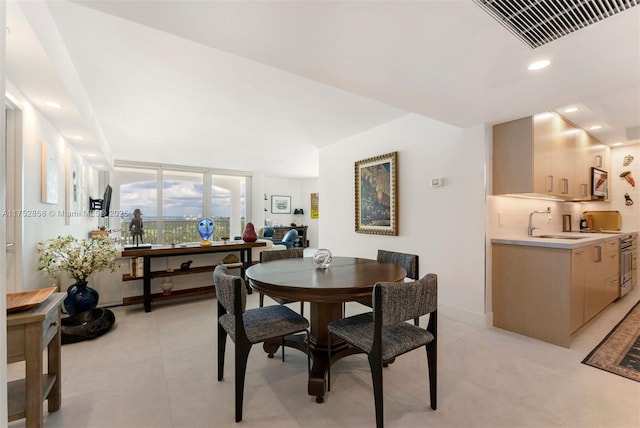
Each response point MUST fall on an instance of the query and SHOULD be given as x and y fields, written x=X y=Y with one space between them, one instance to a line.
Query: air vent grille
x=537 y=22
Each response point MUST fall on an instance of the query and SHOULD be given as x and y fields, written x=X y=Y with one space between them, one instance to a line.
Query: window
x=173 y=199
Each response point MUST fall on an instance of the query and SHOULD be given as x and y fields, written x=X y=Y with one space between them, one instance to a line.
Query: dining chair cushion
x=225 y=289
x=397 y=339
x=265 y=323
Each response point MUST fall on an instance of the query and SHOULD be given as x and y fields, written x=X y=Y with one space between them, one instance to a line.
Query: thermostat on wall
x=436 y=182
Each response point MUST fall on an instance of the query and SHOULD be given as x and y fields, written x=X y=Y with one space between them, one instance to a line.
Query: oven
x=626 y=264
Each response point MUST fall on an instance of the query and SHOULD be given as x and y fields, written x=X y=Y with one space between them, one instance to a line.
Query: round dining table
x=347 y=279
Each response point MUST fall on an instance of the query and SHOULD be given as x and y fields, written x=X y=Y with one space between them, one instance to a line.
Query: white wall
x=3 y=235
x=619 y=186
x=35 y=129
x=444 y=226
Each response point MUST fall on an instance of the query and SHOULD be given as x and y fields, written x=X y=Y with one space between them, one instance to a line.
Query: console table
x=28 y=334
x=244 y=248
x=280 y=231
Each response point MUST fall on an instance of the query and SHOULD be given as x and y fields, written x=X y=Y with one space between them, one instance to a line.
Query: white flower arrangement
x=79 y=258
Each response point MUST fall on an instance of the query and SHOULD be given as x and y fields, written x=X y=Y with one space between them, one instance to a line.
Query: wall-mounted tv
x=103 y=205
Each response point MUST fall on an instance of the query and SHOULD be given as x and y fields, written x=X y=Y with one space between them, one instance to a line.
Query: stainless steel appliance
x=626 y=264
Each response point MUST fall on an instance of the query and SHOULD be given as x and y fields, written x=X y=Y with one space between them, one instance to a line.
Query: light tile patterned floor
x=158 y=369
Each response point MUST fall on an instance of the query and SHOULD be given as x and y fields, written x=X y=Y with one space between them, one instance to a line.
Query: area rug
x=619 y=352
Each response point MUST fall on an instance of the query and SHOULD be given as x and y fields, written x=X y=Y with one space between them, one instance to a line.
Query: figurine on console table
x=136 y=227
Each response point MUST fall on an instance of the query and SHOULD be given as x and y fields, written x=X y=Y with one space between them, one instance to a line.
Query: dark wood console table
x=244 y=248
x=302 y=241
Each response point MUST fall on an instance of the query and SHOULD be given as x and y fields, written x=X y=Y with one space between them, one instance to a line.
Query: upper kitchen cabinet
x=545 y=155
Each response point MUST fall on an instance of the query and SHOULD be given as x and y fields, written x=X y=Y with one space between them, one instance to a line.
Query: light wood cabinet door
x=579 y=262
x=582 y=166
x=594 y=291
x=562 y=156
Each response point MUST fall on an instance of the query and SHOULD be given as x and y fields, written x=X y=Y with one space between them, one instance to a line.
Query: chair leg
x=261 y=300
x=328 y=362
x=375 y=362
x=242 y=355
x=301 y=309
x=432 y=361
x=222 y=342
x=282 y=345
x=416 y=321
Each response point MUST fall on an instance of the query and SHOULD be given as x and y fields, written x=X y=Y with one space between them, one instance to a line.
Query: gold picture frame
x=376 y=195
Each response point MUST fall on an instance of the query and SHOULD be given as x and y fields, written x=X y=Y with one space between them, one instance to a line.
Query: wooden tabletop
x=347 y=279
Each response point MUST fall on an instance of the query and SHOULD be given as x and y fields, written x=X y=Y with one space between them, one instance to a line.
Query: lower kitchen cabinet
x=549 y=293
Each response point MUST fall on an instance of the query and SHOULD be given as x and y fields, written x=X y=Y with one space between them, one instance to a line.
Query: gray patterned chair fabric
x=268 y=256
x=247 y=326
x=383 y=334
x=409 y=262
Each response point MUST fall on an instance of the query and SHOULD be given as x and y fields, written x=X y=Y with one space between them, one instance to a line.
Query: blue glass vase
x=80 y=298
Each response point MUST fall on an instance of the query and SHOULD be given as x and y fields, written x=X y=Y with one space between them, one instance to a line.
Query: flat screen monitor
x=106 y=201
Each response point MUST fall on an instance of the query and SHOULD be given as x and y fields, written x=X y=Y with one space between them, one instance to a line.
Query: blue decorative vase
x=80 y=298
x=205 y=229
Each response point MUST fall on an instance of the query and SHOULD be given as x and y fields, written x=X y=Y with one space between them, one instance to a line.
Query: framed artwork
x=315 y=200
x=376 y=195
x=49 y=173
x=74 y=189
x=280 y=204
x=599 y=183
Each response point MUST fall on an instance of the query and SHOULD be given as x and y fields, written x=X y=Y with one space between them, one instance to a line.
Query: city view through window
x=179 y=197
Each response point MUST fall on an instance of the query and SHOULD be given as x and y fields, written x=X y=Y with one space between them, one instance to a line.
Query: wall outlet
x=437 y=182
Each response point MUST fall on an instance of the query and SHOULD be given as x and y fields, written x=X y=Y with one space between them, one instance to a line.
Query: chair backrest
x=292 y=253
x=290 y=236
x=408 y=261
x=402 y=301
x=268 y=232
x=225 y=289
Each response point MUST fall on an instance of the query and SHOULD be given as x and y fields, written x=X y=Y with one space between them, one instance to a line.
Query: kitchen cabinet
x=545 y=155
x=549 y=293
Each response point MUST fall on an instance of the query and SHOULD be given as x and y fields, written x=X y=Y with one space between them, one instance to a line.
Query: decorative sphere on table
x=322 y=258
x=205 y=229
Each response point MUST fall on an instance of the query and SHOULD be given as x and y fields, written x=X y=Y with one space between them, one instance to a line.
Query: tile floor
x=158 y=369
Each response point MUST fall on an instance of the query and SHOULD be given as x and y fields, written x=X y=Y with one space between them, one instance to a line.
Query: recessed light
x=594 y=127
x=539 y=65
x=571 y=109
x=617 y=144
x=76 y=137
x=53 y=104
x=91 y=155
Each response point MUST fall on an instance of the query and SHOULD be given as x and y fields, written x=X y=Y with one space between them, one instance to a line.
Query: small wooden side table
x=28 y=333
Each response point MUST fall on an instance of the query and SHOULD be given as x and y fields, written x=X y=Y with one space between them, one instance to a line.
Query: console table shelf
x=244 y=248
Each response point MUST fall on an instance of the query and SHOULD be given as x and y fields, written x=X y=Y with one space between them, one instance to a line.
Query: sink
x=560 y=237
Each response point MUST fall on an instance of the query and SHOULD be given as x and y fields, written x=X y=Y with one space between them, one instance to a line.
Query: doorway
x=13 y=169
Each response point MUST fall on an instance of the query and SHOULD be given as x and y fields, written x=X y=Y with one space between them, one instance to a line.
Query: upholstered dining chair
x=289 y=239
x=267 y=256
x=248 y=326
x=409 y=262
x=383 y=333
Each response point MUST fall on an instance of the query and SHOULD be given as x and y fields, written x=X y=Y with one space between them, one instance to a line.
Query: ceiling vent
x=537 y=22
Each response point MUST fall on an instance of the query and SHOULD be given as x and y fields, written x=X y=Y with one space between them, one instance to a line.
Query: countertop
x=566 y=240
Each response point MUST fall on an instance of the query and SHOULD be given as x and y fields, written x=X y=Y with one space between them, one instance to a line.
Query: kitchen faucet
x=530 y=229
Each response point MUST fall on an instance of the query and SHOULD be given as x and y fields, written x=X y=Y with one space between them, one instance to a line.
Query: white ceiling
x=262 y=85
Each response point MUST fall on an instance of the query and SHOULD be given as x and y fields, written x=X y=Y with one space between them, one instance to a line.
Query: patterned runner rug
x=619 y=352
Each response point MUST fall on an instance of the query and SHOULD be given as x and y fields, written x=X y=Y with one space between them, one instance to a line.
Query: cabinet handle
x=53 y=324
x=598 y=253
x=565 y=186
x=598 y=161
x=585 y=187
x=550 y=186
